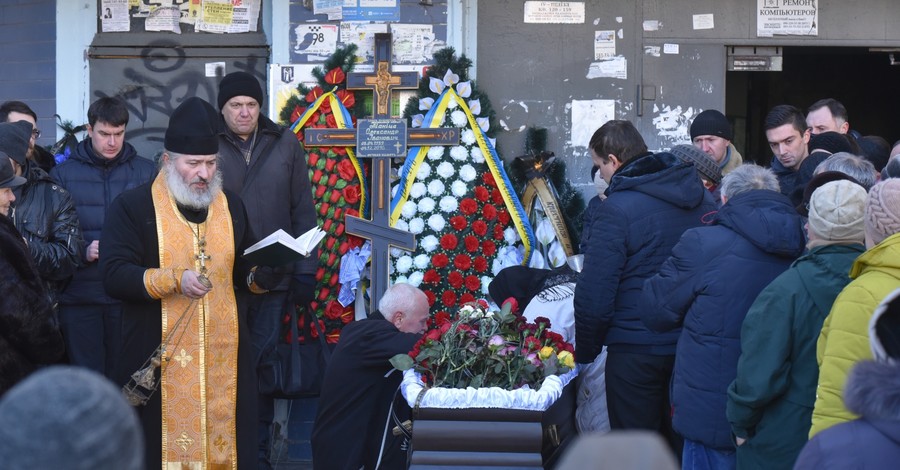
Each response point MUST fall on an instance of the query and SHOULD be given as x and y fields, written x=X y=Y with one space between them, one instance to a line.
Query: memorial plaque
x=381 y=138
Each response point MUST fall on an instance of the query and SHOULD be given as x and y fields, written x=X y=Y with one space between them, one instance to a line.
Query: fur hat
x=239 y=84
x=883 y=211
x=69 y=417
x=837 y=212
x=712 y=122
x=831 y=142
x=193 y=128
x=704 y=164
x=8 y=178
x=14 y=139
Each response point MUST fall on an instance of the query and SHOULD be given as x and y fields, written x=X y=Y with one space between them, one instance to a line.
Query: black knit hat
x=831 y=142
x=8 y=178
x=193 y=128
x=14 y=139
x=239 y=84
x=712 y=122
x=705 y=165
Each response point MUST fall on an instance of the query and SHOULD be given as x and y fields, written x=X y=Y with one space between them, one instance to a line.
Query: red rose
x=462 y=262
x=431 y=277
x=458 y=222
x=312 y=331
x=498 y=232
x=334 y=76
x=480 y=264
x=473 y=283
x=471 y=243
x=513 y=304
x=448 y=298
x=320 y=190
x=347 y=98
x=346 y=170
x=497 y=197
x=354 y=213
x=481 y=193
x=330 y=121
x=314 y=94
x=351 y=194
x=455 y=279
x=449 y=242
x=329 y=166
x=338 y=150
x=334 y=310
x=431 y=298
x=326 y=110
x=433 y=335
x=479 y=227
x=468 y=206
x=466 y=298
x=489 y=212
x=503 y=217
x=488 y=248
x=488 y=179
x=440 y=260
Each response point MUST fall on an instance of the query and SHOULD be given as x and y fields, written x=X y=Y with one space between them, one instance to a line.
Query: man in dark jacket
x=264 y=163
x=652 y=199
x=102 y=167
x=44 y=212
x=12 y=111
x=788 y=138
x=357 y=394
x=704 y=291
x=771 y=399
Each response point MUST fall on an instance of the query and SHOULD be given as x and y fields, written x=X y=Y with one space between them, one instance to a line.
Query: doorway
x=863 y=80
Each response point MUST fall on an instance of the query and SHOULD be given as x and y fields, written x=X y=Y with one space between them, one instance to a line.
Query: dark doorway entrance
x=863 y=80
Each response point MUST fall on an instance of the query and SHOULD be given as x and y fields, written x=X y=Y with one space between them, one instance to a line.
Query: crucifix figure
x=381 y=139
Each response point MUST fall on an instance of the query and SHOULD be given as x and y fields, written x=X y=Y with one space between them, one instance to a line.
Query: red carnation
x=455 y=279
x=441 y=317
x=481 y=193
x=448 y=298
x=351 y=194
x=431 y=298
x=347 y=98
x=480 y=264
x=479 y=227
x=431 y=277
x=471 y=243
x=531 y=344
x=497 y=197
x=440 y=260
x=503 y=217
x=462 y=262
x=468 y=206
x=542 y=321
x=488 y=248
x=346 y=170
x=449 y=242
x=458 y=222
x=489 y=212
x=466 y=298
x=473 y=283
x=488 y=179
x=334 y=76
x=498 y=232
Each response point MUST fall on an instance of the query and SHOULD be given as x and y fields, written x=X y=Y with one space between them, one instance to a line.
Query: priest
x=172 y=255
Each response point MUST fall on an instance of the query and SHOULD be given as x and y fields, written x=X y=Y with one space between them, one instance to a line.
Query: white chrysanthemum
x=436 y=222
x=430 y=243
x=426 y=205
x=401 y=279
x=449 y=204
x=458 y=188
x=436 y=152
x=404 y=263
x=396 y=252
x=408 y=210
x=415 y=278
x=510 y=235
x=459 y=153
x=417 y=190
x=452 y=104
x=401 y=224
x=458 y=117
x=416 y=225
x=421 y=261
x=467 y=137
x=477 y=154
x=445 y=169
x=485 y=282
x=424 y=171
x=467 y=173
x=436 y=188
x=496 y=266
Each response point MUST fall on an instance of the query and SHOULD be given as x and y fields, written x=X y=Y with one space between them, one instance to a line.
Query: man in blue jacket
x=102 y=167
x=652 y=199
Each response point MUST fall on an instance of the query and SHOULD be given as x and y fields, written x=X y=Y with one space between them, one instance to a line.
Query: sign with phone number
x=317 y=40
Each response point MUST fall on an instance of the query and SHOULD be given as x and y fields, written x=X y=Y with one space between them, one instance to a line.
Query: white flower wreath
x=424 y=171
x=467 y=173
x=430 y=243
x=417 y=190
x=445 y=169
x=458 y=188
x=448 y=204
x=408 y=210
x=436 y=188
x=426 y=205
x=417 y=225
x=436 y=222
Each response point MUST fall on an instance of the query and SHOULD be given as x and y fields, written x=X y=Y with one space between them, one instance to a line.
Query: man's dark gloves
x=268 y=277
x=303 y=289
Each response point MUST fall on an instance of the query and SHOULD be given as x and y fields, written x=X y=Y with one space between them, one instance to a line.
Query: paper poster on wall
x=114 y=16
x=333 y=8
x=164 y=19
x=228 y=16
x=413 y=43
x=604 y=44
x=787 y=17
x=317 y=40
x=554 y=12
x=613 y=67
x=372 y=10
x=587 y=117
x=704 y=21
x=283 y=82
x=363 y=35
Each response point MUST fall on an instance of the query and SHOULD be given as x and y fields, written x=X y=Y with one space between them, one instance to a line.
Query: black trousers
x=637 y=394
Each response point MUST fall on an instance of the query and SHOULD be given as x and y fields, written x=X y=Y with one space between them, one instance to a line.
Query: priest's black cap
x=14 y=139
x=193 y=128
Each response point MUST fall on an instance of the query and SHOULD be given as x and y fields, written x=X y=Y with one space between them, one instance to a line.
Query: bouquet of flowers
x=480 y=348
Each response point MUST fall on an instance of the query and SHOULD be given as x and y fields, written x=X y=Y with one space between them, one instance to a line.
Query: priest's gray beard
x=185 y=195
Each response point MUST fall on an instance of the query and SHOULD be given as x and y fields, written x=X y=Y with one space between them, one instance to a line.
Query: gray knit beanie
x=883 y=211
x=64 y=417
x=837 y=212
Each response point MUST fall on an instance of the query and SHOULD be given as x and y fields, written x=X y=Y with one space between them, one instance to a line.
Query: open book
x=280 y=248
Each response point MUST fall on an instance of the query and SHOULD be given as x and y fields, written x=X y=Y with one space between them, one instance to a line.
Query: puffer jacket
x=651 y=201
x=94 y=183
x=274 y=185
x=704 y=291
x=44 y=213
x=771 y=399
x=844 y=340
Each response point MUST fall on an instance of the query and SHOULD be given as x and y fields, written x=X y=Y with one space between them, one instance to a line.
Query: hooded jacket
x=94 y=183
x=651 y=201
x=704 y=291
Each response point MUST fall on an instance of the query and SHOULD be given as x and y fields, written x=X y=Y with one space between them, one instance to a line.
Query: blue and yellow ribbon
x=416 y=155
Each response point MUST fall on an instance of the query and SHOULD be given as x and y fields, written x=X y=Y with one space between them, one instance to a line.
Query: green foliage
x=343 y=58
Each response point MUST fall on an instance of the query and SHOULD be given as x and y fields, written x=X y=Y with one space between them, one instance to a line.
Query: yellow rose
x=546 y=352
x=566 y=358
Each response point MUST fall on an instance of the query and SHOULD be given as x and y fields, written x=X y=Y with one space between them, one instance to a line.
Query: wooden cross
x=382 y=83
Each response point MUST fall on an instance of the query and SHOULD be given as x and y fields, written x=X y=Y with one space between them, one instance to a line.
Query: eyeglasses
x=36 y=133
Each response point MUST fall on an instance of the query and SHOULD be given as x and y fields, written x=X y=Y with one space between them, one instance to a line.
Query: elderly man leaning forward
x=357 y=392
x=171 y=254
x=712 y=133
